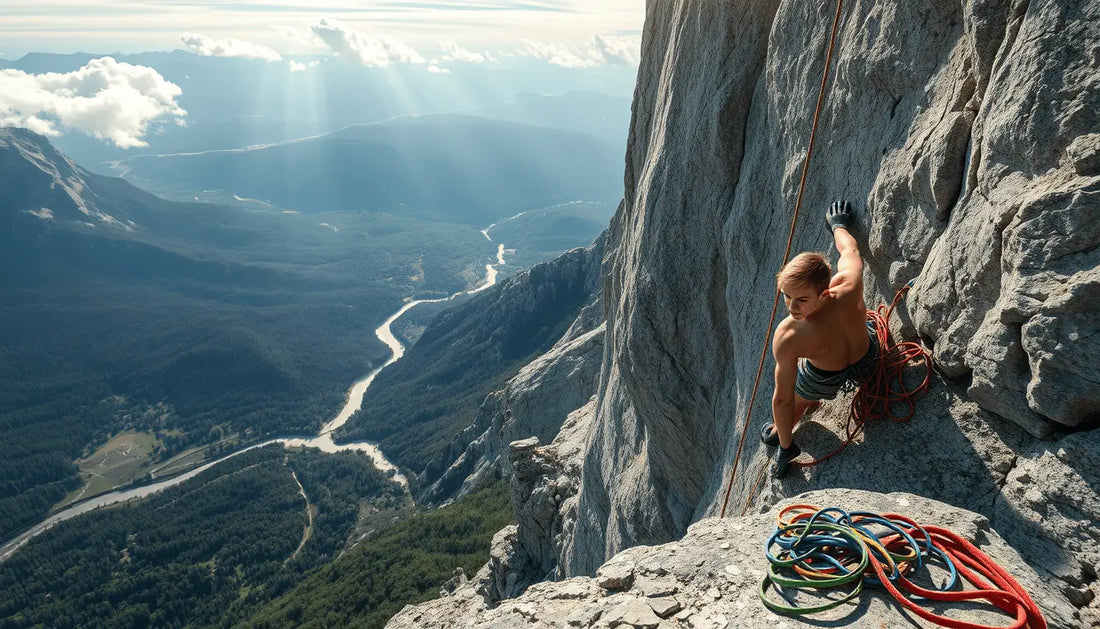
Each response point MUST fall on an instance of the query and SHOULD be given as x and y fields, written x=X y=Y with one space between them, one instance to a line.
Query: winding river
x=323 y=441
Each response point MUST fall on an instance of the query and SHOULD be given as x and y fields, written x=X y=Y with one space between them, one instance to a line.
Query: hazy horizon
x=412 y=31
x=268 y=72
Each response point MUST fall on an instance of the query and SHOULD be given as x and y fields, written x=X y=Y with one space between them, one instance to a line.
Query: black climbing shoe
x=770 y=436
x=784 y=458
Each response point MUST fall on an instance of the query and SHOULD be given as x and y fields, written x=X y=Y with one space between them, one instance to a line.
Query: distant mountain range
x=59 y=219
x=445 y=167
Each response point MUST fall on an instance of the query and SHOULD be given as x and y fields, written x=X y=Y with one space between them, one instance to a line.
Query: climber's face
x=802 y=301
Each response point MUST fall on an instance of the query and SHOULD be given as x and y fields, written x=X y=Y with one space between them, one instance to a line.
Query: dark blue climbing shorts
x=819 y=384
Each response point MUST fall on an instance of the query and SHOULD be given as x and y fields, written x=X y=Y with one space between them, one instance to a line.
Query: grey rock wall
x=966 y=135
x=668 y=333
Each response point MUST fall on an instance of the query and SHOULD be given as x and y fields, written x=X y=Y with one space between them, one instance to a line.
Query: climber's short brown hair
x=809 y=269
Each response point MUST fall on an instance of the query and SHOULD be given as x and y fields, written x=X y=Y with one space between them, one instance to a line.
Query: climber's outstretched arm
x=849 y=276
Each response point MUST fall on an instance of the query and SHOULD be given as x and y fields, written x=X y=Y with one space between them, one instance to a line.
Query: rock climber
x=826 y=343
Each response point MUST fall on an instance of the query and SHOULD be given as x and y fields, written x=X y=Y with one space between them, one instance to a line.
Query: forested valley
x=200 y=325
x=205 y=553
x=172 y=334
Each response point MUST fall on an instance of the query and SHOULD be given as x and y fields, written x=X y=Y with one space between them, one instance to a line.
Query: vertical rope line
x=786 y=256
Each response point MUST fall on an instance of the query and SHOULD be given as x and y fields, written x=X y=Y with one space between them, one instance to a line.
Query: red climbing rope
x=1001 y=589
x=827 y=548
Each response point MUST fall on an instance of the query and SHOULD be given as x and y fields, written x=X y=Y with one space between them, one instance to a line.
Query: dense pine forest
x=199 y=554
x=401 y=564
x=236 y=546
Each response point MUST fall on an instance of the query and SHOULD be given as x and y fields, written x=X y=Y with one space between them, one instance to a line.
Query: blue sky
x=287 y=27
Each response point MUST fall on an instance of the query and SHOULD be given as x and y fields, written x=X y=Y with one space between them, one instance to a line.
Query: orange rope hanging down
x=787 y=252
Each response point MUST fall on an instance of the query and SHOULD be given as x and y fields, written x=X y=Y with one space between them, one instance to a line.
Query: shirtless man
x=826 y=343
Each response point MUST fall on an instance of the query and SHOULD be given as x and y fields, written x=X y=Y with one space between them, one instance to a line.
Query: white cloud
x=563 y=55
x=458 y=53
x=434 y=69
x=619 y=50
x=105 y=99
x=297 y=66
x=373 y=51
x=602 y=50
x=208 y=47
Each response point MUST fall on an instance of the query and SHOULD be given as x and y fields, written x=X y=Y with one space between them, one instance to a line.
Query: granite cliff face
x=967 y=134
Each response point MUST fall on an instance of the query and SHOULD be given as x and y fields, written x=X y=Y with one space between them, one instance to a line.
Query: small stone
x=714 y=593
x=634 y=613
x=569 y=590
x=724 y=546
x=657 y=587
x=526 y=610
x=1080 y=597
x=716 y=621
x=586 y=617
x=665 y=606
x=684 y=614
x=733 y=570
x=615 y=576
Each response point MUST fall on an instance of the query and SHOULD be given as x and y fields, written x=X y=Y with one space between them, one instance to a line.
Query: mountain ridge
x=453 y=167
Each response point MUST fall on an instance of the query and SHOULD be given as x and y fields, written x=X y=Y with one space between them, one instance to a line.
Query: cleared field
x=121 y=459
x=124 y=458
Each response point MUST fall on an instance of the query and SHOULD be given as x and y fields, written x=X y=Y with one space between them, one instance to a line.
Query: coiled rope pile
x=831 y=548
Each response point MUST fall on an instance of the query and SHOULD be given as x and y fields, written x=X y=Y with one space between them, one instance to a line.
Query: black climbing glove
x=839 y=215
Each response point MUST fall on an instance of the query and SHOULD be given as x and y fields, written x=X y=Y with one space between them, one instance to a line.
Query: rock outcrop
x=37 y=180
x=536 y=401
x=710 y=577
x=420 y=408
